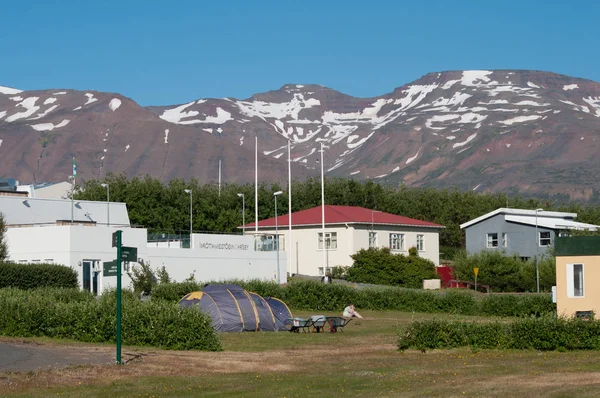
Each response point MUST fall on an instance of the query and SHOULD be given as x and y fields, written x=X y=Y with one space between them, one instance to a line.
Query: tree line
x=165 y=207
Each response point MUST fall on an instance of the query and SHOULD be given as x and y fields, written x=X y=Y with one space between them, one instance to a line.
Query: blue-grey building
x=525 y=233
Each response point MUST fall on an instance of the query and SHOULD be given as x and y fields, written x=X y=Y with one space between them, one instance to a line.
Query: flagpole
x=255 y=187
x=73 y=189
x=290 y=245
x=323 y=211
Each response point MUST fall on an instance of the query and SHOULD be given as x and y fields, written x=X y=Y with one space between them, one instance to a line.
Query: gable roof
x=343 y=215
x=545 y=219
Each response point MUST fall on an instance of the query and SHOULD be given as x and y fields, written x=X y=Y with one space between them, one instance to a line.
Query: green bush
x=380 y=266
x=545 y=333
x=504 y=273
x=31 y=276
x=66 y=314
x=174 y=291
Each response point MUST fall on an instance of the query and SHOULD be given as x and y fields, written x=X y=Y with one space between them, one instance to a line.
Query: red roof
x=343 y=215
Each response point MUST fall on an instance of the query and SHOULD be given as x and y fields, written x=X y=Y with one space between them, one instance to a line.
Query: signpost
x=117 y=236
x=110 y=268
x=476 y=272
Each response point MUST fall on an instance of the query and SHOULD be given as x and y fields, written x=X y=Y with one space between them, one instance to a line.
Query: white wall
x=307 y=258
x=232 y=256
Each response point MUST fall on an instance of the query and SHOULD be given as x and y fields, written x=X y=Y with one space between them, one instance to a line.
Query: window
x=545 y=239
x=420 y=239
x=575 y=281
x=397 y=241
x=504 y=239
x=492 y=241
x=330 y=240
x=372 y=239
x=327 y=269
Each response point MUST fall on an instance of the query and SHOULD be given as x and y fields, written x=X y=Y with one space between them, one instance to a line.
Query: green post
x=475 y=282
x=119 y=274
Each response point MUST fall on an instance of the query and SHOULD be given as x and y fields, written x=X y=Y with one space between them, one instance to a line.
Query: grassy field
x=362 y=361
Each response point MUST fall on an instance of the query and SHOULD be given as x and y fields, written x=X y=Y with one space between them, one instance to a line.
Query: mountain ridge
x=475 y=130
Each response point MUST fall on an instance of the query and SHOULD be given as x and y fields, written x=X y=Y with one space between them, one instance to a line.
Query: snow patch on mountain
x=410 y=160
x=9 y=90
x=520 y=119
x=465 y=142
x=176 y=115
x=166 y=136
x=473 y=77
x=273 y=110
x=114 y=104
x=30 y=109
x=50 y=100
x=50 y=126
x=567 y=87
x=90 y=98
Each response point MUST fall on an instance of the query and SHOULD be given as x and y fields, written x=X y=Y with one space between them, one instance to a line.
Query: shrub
x=173 y=291
x=31 y=276
x=66 y=314
x=380 y=266
x=545 y=333
x=3 y=245
x=505 y=273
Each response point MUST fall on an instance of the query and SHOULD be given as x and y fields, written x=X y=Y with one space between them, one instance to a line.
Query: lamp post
x=107 y=203
x=275 y=195
x=241 y=195
x=537 y=245
x=191 y=219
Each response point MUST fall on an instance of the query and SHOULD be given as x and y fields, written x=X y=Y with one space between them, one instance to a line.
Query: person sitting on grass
x=349 y=312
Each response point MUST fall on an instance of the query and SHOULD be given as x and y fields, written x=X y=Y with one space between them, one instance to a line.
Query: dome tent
x=233 y=309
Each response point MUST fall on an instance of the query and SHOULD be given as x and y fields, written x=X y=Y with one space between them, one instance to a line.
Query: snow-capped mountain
x=477 y=130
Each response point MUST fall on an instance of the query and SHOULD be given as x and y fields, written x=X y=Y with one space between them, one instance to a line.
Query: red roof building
x=340 y=215
x=348 y=229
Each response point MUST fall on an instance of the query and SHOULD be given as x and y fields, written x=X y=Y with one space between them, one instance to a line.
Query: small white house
x=41 y=231
x=348 y=229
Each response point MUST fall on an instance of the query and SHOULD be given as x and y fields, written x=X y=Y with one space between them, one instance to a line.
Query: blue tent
x=233 y=309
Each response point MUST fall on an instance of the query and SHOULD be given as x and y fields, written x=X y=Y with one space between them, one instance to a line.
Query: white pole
x=108 y=205
x=323 y=211
x=290 y=207
x=219 y=178
x=256 y=186
x=276 y=243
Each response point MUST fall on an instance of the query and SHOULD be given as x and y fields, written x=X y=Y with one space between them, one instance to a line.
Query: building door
x=90 y=277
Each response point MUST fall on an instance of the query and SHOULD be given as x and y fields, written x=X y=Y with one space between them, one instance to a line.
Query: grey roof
x=37 y=211
x=547 y=219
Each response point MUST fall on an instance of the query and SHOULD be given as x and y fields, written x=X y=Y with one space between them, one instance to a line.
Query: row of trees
x=3 y=245
x=165 y=207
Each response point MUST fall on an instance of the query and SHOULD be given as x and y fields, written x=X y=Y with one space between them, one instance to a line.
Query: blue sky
x=159 y=52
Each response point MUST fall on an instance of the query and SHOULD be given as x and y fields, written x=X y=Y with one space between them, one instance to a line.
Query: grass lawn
x=362 y=361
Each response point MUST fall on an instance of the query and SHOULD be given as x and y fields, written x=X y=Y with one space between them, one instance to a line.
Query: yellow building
x=577 y=275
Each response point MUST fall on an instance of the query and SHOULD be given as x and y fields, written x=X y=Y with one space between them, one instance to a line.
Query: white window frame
x=330 y=239
x=489 y=243
x=504 y=239
x=372 y=239
x=571 y=291
x=397 y=242
x=421 y=242
x=549 y=238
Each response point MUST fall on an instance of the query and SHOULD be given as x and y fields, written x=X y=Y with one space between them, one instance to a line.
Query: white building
x=348 y=229
x=47 y=190
x=40 y=230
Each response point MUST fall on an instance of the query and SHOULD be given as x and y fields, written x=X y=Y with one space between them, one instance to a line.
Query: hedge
x=546 y=333
x=315 y=296
x=31 y=276
x=60 y=313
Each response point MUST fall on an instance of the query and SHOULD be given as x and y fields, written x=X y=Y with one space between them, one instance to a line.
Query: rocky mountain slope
x=478 y=130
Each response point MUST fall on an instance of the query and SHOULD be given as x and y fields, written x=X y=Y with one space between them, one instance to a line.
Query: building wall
x=431 y=239
x=567 y=306
x=307 y=258
x=230 y=257
x=521 y=238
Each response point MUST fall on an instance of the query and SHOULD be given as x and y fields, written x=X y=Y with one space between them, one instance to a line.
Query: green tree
x=380 y=266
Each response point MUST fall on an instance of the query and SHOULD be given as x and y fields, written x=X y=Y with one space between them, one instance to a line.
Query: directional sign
x=476 y=271
x=110 y=268
x=114 y=239
x=129 y=254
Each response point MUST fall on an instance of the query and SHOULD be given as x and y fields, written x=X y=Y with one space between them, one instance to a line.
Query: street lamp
x=275 y=195
x=107 y=203
x=241 y=195
x=537 y=245
x=191 y=208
